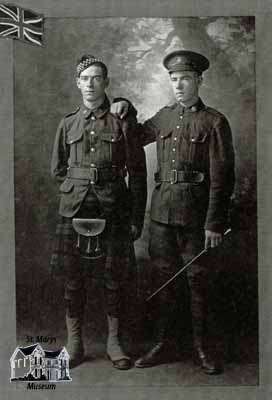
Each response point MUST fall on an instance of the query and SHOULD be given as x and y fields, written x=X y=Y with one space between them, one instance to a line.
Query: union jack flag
x=18 y=23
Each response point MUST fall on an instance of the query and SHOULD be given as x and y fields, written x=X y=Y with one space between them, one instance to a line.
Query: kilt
x=116 y=243
x=115 y=269
x=63 y=246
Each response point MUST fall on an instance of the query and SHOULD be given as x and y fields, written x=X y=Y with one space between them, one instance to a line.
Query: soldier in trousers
x=189 y=208
x=93 y=152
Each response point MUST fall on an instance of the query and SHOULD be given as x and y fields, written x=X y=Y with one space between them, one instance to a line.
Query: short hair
x=86 y=61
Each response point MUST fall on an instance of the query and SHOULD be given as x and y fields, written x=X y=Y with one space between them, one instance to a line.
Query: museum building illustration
x=32 y=363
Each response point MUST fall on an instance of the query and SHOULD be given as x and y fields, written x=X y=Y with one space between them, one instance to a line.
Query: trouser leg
x=164 y=255
x=198 y=279
x=197 y=275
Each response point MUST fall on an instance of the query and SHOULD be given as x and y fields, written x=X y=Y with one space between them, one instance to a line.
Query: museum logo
x=32 y=363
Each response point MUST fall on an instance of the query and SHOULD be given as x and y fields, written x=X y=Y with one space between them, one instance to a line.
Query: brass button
x=175 y=138
x=92 y=132
x=178 y=126
x=181 y=116
x=92 y=165
x=93 y=117
x=92 y=149
x=174 y=149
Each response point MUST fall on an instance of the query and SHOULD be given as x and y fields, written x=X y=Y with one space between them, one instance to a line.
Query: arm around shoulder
x=136 y=165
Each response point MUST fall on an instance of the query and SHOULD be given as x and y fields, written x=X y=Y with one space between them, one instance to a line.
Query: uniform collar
x=199 y=105
x=98 y=112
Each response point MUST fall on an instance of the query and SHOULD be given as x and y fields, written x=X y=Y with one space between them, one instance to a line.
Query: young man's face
x=92 y=83
x=185 y=85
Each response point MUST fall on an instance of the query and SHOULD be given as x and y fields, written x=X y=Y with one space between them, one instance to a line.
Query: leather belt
x=175 y=176
x=95 y=175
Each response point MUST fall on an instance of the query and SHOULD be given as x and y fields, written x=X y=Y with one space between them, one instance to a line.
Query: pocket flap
x=165 y=135
x=66 y=186
x=199 y=137
x=111 y=136
x=74 y=136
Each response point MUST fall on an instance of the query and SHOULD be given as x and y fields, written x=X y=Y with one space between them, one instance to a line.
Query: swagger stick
x=182 y=269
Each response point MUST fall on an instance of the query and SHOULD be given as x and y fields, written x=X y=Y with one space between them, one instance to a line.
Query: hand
x=135 y=233
x=120 y=108
x=212 y=239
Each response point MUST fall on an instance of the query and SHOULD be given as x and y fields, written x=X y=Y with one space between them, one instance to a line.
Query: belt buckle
x=93 y=175
x=198 y=176
x=173 y=176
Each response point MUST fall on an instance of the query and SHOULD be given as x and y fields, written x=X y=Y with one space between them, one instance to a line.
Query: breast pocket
x=199 y=147
x=199 y=137
x=112 y=146
x=74 y=140
x=164 y=145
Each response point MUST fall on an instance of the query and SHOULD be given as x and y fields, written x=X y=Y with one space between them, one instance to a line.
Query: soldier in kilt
x=93 y=152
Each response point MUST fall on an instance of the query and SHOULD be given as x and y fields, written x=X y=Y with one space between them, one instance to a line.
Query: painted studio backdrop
x=133 y=49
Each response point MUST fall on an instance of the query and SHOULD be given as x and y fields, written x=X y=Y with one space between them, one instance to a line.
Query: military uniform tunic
x=194 y=182
x=100 y=142
x=196 y=141
x=92 y=153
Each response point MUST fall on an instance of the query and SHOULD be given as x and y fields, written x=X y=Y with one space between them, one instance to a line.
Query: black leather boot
x=207 y=364
x=199 y=295
x=157 y=354
x=201 y=356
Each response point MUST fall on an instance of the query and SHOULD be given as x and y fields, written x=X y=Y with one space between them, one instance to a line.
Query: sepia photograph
x=85 y=216
x=135 y=198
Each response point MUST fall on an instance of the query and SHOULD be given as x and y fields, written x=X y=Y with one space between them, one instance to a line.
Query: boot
x=74 y=341
x=114 y=350
x=163 y=310
x=199 y=309
x=201 y=357
x=156 y=354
